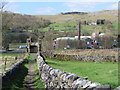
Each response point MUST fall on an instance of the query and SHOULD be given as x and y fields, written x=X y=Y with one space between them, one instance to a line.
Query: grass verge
x=38 y=83
x=104 y=72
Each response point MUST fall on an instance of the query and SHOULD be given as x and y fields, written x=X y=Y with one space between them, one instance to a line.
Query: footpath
x=29 y=83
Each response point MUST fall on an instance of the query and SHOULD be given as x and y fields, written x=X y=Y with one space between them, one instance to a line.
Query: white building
x=83 y=37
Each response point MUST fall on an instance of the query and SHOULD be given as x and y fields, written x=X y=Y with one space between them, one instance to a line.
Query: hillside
x=81 y=13
x=68 y=22
x=111 y=15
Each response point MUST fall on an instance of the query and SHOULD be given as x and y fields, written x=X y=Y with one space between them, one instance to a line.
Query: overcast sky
x=52 y=7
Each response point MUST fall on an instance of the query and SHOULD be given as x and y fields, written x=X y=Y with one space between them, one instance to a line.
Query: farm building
x=94 y=41
x=71 y=42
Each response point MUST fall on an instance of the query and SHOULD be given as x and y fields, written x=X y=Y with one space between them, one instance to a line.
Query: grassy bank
x=104 y=72
x=38 y=83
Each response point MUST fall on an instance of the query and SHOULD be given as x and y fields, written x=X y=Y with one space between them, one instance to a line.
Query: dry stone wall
x=55 y=78
x=85 y=55
x=9 y=74
x=87 y=58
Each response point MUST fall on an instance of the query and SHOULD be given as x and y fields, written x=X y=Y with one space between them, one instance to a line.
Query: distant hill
x=73 y=13
x=111 y=15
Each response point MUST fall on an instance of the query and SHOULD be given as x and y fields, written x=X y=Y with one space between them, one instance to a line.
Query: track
x=29 y=83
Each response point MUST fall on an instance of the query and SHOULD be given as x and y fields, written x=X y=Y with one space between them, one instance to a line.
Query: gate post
x=39 y=45
x=28 y=44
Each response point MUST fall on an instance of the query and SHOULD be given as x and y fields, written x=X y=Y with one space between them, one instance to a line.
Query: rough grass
x=11 y=60
x=12 y=54
x=38 y=83
x=104 y=72
x=93 y=16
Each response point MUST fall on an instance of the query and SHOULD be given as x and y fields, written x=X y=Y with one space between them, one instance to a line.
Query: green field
x=13 y=46
x=85 y=29
x=10 y=60
x=104 y=72
x=38 y=83
x=69 y=22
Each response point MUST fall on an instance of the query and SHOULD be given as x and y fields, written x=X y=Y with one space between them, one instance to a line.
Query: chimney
x=79 y=30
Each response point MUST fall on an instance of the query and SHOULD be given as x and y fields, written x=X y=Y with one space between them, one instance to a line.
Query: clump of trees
x=13 y=22
x=50 y=36
x=28 y=22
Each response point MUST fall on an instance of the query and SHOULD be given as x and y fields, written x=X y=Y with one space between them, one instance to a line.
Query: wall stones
x=87 y=58
x=9 y=74
x=93 y=55
x=55 y=78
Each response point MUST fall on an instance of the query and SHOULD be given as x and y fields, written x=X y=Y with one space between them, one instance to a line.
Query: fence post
x=39 y=45
x=28 y=44
x=79 y=35
x=5 y=64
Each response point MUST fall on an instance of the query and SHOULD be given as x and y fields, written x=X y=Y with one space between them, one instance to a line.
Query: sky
x=40 y=7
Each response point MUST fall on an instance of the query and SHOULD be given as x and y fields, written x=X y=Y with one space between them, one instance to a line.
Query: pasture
x=86 y=29
x=38 y=83
x=93 y=16
x=13 y=46
x=104 y=72
x=9 y=59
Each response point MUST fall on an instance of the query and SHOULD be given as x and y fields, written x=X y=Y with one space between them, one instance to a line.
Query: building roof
x=66 y=38
x=72 y=38
x=83 y=37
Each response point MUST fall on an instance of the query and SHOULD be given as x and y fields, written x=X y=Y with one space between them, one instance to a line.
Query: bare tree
x=3 y=4
x=3 y=25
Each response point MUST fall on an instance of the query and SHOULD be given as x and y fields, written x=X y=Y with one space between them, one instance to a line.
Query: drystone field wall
x=55 y=78
x=9 y=74
x=86 y=58
x=91 y=55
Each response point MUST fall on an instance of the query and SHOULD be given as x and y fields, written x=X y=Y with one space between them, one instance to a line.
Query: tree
x=17 y=22
x=3 y=5
x=4 y=24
